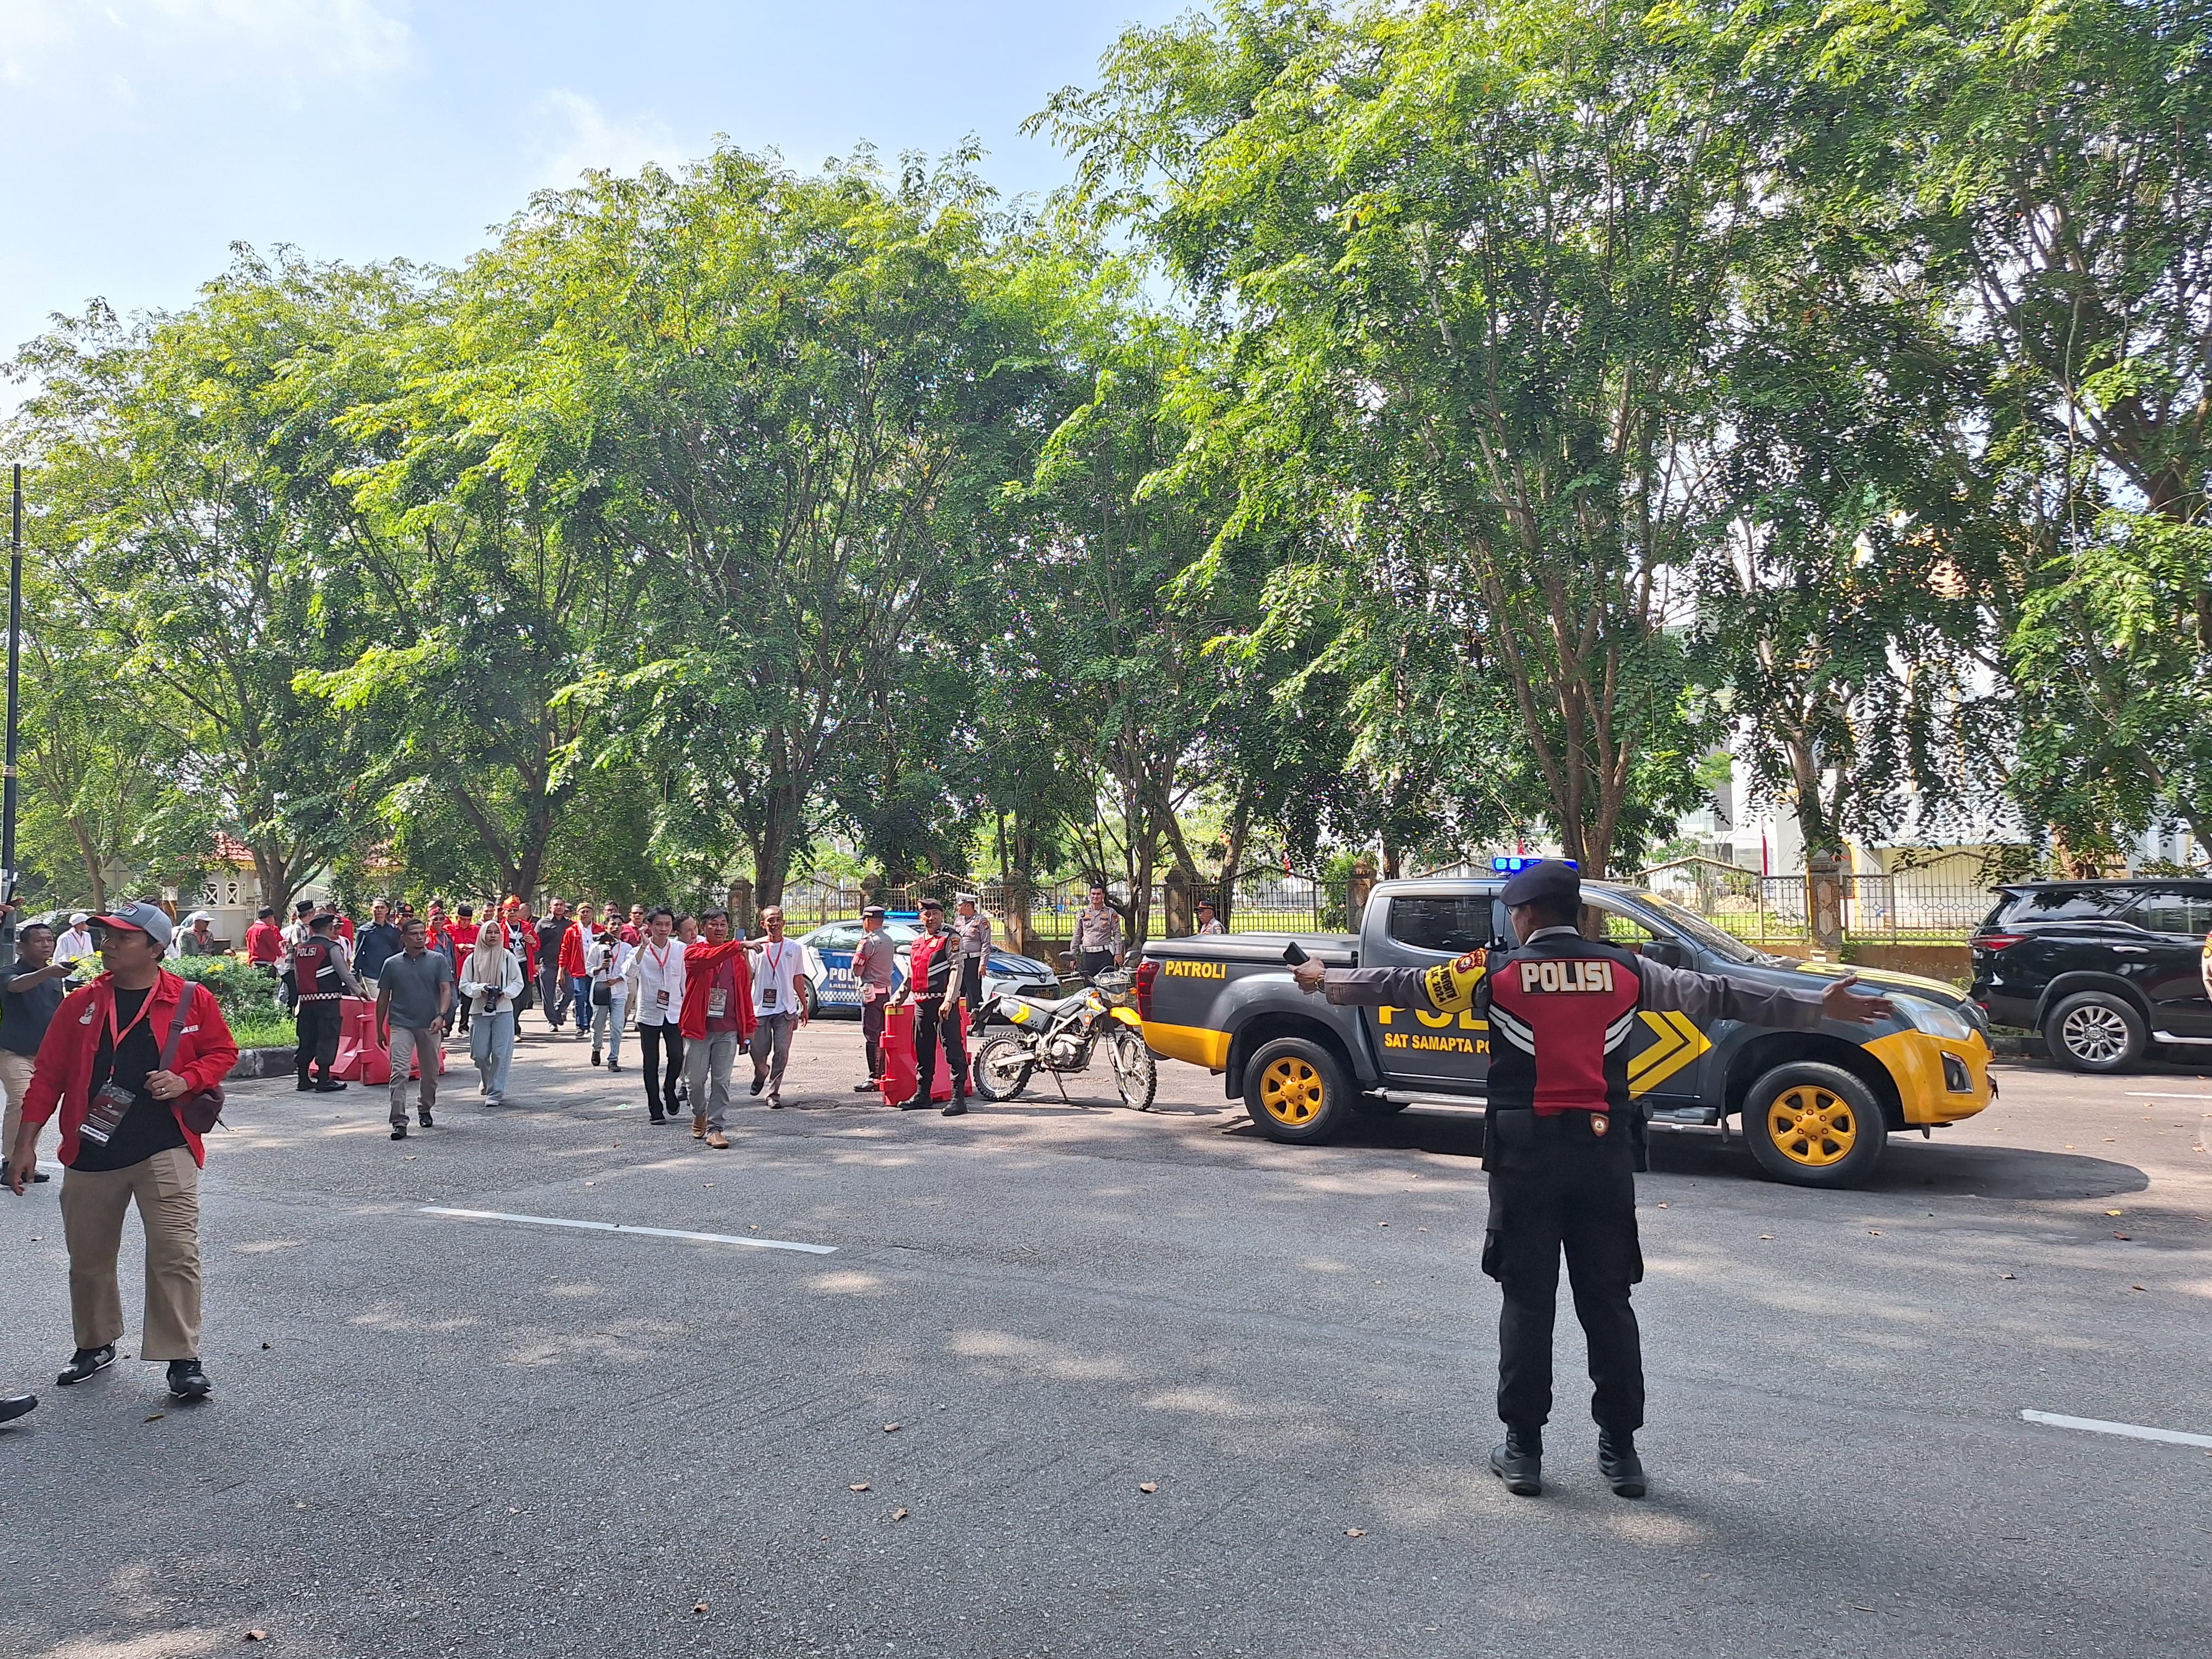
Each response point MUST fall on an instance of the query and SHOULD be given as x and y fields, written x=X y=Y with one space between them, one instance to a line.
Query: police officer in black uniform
x=322 y=975
x=1563 y=1139
x=935 y=973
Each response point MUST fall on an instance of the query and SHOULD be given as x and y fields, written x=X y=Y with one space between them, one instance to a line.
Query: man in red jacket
x=573 y=942
x=123 y=1139
x=717 y=1021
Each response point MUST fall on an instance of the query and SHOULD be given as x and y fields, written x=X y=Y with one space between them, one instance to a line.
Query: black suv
x=2103 y=970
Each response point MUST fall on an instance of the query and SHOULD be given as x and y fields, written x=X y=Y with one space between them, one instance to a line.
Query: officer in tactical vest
x=1563 y=1140
x=934 y=976
x=321 y=975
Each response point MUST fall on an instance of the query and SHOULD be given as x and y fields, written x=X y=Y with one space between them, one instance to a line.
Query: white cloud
x=66 y=47
x=576 y=134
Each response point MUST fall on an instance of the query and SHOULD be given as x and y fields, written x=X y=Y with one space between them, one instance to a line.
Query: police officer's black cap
x=873 y=910
x=1551 y=884
x=932 y=904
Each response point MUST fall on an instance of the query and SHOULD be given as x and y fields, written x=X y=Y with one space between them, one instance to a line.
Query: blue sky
x=140 y=139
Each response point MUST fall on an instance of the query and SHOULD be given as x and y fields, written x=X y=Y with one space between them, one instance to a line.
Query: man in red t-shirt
x=718 y=1020
x=264 y=941
x=464 y=933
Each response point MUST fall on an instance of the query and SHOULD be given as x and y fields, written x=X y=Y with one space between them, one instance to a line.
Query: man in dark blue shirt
x=30 y=991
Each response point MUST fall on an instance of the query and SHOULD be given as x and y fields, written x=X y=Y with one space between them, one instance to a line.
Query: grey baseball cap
x=150 y=919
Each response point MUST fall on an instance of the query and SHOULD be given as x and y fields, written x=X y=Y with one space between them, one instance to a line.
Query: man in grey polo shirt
x=414 y=998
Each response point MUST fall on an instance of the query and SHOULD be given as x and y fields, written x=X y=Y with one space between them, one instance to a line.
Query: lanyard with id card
x=771 y=990
x=104 y=1112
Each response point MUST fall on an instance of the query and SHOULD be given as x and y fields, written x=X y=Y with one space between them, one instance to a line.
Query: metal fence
x=1255 y=904
x=1937 y=905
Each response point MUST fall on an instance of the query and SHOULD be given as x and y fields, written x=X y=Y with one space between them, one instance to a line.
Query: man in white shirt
x=656 y=997
x=607 y=961
x=75 y=944
x=779 y=1003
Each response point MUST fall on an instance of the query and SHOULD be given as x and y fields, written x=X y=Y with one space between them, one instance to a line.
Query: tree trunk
x=275 y=876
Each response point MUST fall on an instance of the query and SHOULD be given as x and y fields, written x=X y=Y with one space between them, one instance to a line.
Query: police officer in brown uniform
x=1563 y=1139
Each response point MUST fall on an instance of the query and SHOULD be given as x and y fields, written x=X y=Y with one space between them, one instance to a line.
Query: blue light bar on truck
x=1514 y=866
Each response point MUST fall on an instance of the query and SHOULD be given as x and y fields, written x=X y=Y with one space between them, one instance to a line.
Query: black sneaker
x=657 y=1117
x=595 y=1056
x=328 y=1088
x=424 y=1118
x=399 y=1132
x=759 y=1084
x=611 y=1067
x=872 y=1086
x=84 y=1362
x=17 y=1404
x=305 y=1087
x=187 y=1380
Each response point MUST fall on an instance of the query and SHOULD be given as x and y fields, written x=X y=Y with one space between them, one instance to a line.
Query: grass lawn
x=264 y=1031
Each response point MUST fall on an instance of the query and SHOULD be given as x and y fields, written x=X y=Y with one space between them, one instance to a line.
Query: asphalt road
x=438 y=1435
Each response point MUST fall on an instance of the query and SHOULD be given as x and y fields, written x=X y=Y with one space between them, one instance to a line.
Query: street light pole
x=14 y=664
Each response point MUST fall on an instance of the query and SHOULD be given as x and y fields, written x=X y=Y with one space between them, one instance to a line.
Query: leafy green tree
x=1467 y=266
x=183 y=467
x=777 y=397
x=2042 y=178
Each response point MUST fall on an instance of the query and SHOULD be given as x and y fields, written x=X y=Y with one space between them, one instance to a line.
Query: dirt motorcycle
x=1060 y=1036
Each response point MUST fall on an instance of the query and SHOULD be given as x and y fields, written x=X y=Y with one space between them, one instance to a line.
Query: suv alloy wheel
x=2095 y=1031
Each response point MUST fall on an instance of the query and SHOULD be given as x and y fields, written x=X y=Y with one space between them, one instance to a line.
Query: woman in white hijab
x=491 y=979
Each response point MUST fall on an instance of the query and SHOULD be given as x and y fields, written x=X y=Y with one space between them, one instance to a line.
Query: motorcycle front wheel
x=1002 y=1068
x=1136 y=1073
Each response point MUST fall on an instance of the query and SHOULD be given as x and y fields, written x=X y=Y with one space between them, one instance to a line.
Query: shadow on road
x=1909 y=1165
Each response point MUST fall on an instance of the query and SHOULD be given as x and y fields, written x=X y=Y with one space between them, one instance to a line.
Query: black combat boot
x=959 y=1106
x=1520 y=1461
x=1618 y=1462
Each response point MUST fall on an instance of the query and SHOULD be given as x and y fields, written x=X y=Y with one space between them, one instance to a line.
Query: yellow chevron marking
x=1676 y=1042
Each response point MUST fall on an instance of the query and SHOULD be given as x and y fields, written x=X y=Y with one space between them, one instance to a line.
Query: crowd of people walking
x=131 y=1063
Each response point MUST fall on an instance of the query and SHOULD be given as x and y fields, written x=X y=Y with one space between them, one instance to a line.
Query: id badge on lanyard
x=718 y=1002
x=105 y=1111
x=769 y=990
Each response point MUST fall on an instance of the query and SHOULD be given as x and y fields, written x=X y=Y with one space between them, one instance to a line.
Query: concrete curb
x=261 y=1062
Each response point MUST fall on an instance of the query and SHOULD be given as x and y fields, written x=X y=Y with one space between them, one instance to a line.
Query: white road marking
x=625 y=1227
x=2154 y=1094
x=2132 y=1430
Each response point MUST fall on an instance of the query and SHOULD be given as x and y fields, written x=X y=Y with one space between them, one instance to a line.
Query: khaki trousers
x=16 y=1078
x=167 y=1187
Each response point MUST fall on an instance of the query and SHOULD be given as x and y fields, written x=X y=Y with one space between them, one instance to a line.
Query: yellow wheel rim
x=1812 y=1127
x=1289 y=1090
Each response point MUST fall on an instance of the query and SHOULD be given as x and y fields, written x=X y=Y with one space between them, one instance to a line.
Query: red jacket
x=572 y=950
x=63 y=1073
x=701 y=961
x=264 y=943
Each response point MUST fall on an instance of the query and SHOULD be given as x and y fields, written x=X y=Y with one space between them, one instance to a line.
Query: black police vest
x=1562 y=1026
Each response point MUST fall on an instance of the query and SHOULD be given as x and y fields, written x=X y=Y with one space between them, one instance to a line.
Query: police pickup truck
x=1817 y=1107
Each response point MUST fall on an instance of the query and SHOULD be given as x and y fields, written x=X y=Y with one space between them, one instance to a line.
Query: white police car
x=830 y=987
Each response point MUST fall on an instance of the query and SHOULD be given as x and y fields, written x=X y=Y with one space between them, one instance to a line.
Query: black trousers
x=931 y=1024
x=317 y=1024
x=1092 y=963
x=660 y=1089
x=1554 y=1185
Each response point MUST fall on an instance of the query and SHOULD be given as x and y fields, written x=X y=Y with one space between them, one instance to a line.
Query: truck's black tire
x=1296 y=1090
x=2095 y=1031
x=1814 y=1125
